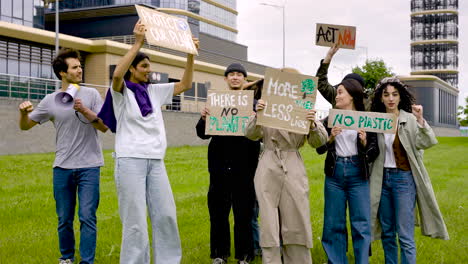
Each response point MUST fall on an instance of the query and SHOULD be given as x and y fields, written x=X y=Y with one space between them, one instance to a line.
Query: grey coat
x=414 y=139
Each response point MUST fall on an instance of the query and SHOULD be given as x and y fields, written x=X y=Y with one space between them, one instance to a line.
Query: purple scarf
x=141 y=96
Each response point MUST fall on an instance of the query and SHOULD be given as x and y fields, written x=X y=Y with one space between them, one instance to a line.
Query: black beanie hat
x=235 y=67
x=356 y=77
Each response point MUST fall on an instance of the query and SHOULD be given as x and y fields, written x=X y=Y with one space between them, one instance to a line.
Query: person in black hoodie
x=347 y=181
x=232 y=161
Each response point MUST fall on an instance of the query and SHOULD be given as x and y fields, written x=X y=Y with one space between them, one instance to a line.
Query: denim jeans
x=66 y=184
x=255 y=228
x=396 y=215
x=346 y=187
x=143 y=186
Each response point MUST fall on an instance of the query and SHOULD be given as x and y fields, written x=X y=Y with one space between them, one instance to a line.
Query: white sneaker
x=65 y=261
x=218 y=261
x=242 y=262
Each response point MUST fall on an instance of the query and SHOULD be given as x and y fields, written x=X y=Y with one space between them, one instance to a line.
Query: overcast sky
x=383 y=31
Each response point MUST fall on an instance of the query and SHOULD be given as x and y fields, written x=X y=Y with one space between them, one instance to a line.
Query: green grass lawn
x=28 y=221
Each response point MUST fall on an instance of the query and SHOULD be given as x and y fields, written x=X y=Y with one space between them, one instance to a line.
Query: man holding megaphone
x=78 y=155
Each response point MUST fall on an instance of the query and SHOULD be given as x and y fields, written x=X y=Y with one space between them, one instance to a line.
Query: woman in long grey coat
x=282 y=189
x=399 y=179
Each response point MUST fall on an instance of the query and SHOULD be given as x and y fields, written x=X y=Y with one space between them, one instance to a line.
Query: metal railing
x=32 y=88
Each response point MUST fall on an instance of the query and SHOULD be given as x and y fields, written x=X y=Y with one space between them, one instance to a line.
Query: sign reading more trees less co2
x=288 y=97
x=327 y=35
x=166 y=31
x=230 y=112
x=368 y=121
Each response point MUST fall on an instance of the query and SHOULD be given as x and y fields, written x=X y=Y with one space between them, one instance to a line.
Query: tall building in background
x=434 y=61
x=434 y=39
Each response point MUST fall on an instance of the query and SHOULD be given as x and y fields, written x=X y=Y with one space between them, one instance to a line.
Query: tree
x=462 y=114
x=372 y=72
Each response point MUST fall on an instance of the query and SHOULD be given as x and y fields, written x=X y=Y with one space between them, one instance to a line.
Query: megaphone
x=65 y=99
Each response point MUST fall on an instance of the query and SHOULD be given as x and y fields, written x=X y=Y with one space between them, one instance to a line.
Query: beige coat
x=282 y=186
x=414 y=140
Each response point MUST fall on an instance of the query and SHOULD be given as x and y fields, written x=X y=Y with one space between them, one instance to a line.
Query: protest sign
x=367 y=121
x=230 y=112
x=166 y=31
x=327 y=35
x=288 y=97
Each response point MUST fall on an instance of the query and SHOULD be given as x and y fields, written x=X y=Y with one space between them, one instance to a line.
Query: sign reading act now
x=368 y=121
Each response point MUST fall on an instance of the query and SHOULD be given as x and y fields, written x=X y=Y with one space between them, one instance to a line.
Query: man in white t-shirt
x=78 y=155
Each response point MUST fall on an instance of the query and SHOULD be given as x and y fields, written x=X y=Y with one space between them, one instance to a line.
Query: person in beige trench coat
x=282 y=190
x=415 y=135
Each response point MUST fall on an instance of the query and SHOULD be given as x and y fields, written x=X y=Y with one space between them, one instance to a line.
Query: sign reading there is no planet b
x=230 y=112
x=166 y=31
x=327 y=35
x=367 y=121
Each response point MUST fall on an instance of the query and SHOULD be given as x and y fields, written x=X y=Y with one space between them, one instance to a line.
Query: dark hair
x=59 y=64
x=355 y=90
x=406 y=97
x=139 y=57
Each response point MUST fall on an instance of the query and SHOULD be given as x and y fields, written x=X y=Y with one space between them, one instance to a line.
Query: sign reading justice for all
x=166 y=31
x=230 y=112
x=343 y=36
x=368 y=121
x=288 y=97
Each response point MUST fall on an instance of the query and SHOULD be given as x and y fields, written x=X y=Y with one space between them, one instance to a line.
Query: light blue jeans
x=347 y=187
x=396 y=215
x=142 y=184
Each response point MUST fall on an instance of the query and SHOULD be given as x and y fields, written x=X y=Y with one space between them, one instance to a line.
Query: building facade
x=27 y=44
x=434 y=52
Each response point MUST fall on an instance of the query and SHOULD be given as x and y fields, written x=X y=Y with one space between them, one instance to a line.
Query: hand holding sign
x=311 y=117
x=139 y=31
x=331 y=52
x=362 y=137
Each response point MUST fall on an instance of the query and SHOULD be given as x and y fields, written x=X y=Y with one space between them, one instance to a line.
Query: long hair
x=406 y=97
x=355 y=90
x=139 y=57
x=59 y=63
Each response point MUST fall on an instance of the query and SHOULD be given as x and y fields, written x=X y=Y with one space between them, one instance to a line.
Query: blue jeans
x=346 y=187
x=255 y=228
x=66 y=184
x=143 y=186
x=396 y=215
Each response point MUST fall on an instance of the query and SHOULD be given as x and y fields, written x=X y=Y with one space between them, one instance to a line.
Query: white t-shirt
x=346 y=144
x=139 y=136
x=389 y=155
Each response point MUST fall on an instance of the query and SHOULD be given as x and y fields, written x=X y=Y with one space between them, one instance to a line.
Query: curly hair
x=406 y=97
x=59 y=63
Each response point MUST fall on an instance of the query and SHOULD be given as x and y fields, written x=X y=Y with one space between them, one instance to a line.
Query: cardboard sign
x=368 y=121
x=166 y=31
x=288 y=97
x=230 y=112
x=327 y=35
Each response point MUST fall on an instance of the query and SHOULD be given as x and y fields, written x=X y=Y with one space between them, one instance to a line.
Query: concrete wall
x=180 y=130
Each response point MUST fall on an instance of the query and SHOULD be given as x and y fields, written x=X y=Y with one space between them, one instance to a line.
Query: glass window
x=13 y=66
x=28 y=10
x=24 y=68
x=190 y=94
x=3 y=65
x=6 y=8
x=18 y=8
